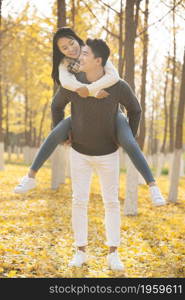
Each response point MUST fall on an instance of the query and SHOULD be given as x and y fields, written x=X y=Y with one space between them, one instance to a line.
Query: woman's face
x=69 y=47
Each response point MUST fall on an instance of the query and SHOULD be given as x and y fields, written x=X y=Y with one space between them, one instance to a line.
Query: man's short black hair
x=99 y=48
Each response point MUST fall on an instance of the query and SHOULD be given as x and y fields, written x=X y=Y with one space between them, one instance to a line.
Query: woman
x=66 y=51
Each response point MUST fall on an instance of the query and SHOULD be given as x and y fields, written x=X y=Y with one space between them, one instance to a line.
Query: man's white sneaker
x=79 y=259
x=27 y=183
x=114 y=262
x=156 y=196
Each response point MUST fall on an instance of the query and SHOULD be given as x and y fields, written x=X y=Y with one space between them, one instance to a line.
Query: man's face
x=87 y=59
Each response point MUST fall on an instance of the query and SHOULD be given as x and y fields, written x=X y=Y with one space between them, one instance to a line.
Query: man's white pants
x=107 y=167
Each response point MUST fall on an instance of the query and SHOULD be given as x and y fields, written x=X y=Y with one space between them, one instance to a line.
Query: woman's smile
x=69 y=47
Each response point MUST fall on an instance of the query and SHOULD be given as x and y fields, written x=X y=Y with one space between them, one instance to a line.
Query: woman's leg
x=58 y=135
x=129 y=144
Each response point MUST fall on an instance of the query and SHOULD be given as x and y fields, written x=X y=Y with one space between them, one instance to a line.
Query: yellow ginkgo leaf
x=12 y=273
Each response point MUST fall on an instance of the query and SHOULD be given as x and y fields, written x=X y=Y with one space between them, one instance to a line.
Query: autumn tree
x=58 y=161
x=130 y=206
x=1 y=104
x=163 y=149
x=26 y=79
x=174 y=180
x=61 y=13
x=142 y=133
x=171 y=112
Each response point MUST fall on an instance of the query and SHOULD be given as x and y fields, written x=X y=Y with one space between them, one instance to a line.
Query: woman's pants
x=128 y=143
x=107 y=167
x=124 y=136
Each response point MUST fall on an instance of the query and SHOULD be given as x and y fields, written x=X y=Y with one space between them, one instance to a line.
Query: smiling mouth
x=73 y=53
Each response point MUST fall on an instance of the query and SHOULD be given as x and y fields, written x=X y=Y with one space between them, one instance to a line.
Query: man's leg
x=81 y=172
x=108 y=171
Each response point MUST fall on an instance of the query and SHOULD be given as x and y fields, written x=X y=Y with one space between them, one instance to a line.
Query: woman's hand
x=102 y=94
x=83 y=92
x=68 y=142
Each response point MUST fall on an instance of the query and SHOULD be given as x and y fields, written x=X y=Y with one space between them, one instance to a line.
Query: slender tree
x=73 y=13
x=7 y=118
x=61 y=13
x=120 y=62
x=162 y=152
x=129 y=43
x=142 y=133
x=163 y=147
x=174 y=180
x=58 y=169
x=1 y=100
x=26 y=99
x=171 y=113
x=130 y=206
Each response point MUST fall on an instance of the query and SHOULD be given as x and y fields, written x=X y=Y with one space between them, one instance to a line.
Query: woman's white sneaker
x=156 y=196
x=27 y=183
x=79 y=259
x=114 y=261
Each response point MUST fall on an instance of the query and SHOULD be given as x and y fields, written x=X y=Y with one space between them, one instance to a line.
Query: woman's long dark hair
x=57 y=55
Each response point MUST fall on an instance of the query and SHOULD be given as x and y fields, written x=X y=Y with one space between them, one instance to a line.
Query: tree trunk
x=137 y=4
x=30 y=128
x=141 y=138
x=1 y=104
x=26 y=109
x=58 y=167
x=174 y=176
x=173 y=193
x=57 y=162
x=160 y=163
x=129 y=43
x=73 y=13
x=27 y=141
x=163 y=147
x=130 y=205
x=151 y=134
x=107 y=24
x=171 y=119
x=26 y=132
x=182 y=167
x=61 y=13
x=120 y=61
x=7 y=132
x=162 y=153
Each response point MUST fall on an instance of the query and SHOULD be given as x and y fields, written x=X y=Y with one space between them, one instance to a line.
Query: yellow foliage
x=37 y=239
x=12 y=273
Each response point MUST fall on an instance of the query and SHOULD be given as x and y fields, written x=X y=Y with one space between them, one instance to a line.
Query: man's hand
x=102 y=94
x=83 y=92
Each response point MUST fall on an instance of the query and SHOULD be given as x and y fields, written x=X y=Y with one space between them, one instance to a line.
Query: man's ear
x=99 y=61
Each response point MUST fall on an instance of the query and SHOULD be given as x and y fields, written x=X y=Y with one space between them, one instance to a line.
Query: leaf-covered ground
x=36 y=239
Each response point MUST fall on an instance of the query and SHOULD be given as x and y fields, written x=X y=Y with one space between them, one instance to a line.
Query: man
x=94 y=146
